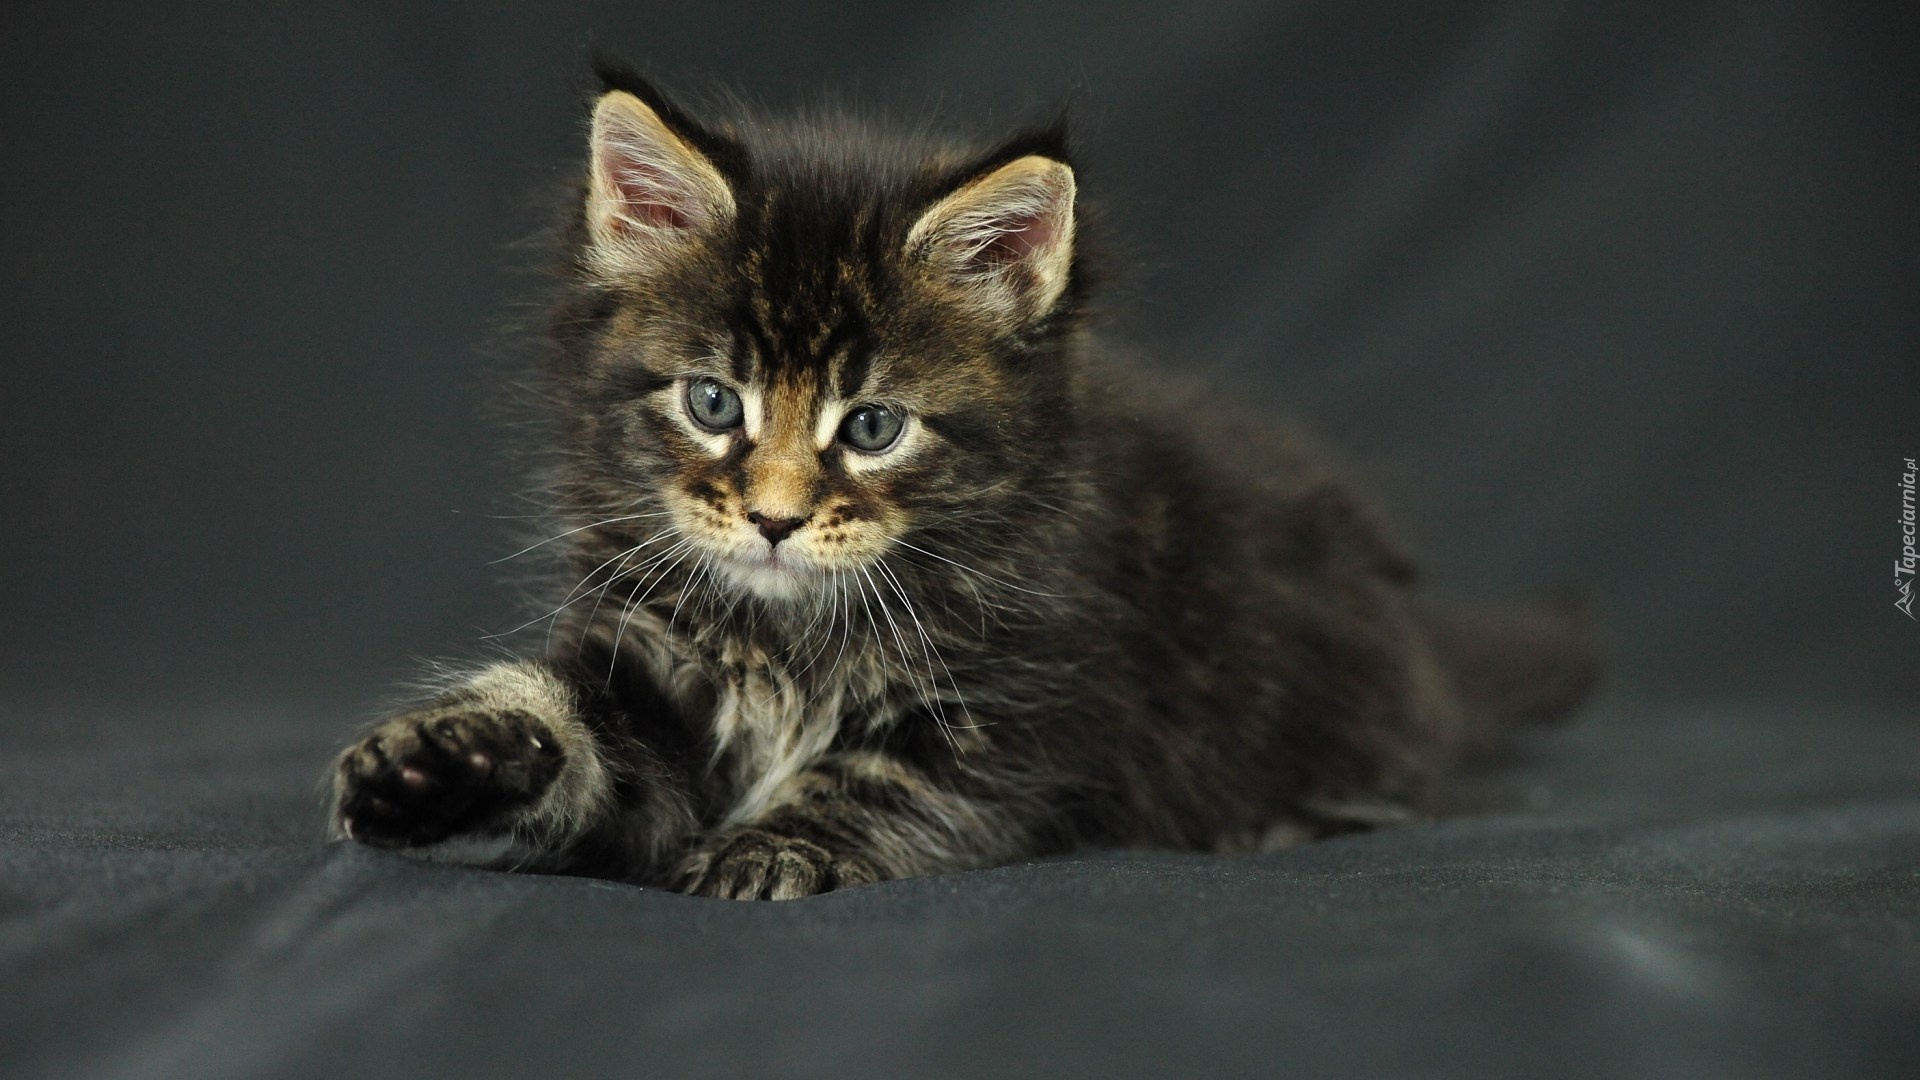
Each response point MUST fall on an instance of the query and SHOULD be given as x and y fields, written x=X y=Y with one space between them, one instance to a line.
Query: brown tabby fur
x=1073 y=608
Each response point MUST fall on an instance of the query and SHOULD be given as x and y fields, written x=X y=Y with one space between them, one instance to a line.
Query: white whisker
x=685 y=547
x=977 y=573
x=575 y=595
x=570 y=532
x=931 y=698
x=926 y=641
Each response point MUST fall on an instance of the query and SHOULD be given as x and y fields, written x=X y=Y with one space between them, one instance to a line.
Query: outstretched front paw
x=443 y=771
x=754 y=864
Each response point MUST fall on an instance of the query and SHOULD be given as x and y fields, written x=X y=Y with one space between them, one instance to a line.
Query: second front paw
x=756 y=864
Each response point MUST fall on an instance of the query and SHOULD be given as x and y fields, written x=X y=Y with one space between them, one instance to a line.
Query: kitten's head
x=802 y=344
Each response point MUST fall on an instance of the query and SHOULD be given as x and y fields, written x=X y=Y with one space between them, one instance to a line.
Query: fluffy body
x=1065 y=607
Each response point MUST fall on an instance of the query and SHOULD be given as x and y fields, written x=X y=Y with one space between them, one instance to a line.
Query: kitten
x=886 y=567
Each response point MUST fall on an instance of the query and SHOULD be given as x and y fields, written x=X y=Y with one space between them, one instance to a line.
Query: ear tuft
x=1005 y=239
x=649 y=190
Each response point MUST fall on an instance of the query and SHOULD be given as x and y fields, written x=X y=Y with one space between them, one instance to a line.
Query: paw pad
x=421 y=778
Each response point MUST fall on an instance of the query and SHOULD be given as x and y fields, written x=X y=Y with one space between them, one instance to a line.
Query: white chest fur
x=771 y=727
x=770 y=719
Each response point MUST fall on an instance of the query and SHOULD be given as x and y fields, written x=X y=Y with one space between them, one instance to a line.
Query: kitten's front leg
x=509 y=754
x=852 y=819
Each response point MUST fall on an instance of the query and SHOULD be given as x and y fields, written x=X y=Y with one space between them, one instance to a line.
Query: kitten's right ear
x=1004 y=240
x=650 y=190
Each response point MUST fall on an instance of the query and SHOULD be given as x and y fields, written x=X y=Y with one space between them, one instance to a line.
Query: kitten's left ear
x=1005 y=238
x=651 y=191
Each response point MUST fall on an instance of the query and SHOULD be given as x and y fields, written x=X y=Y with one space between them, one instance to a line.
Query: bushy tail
x=1513 y=666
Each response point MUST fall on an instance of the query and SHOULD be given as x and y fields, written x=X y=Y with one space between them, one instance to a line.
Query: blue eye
x=872 y=428
x=713 y=405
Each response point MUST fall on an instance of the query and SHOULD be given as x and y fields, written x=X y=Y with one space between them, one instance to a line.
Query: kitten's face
x=781 y=475
x=802 y=379
x=780 y=480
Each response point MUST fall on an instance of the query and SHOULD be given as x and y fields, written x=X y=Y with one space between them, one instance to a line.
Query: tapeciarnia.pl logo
x=1904 y=565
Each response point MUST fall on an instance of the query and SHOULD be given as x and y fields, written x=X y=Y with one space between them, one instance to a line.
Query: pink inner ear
x=649 y=196
x=1015 y=237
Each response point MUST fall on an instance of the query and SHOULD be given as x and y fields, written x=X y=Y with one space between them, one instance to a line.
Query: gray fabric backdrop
x=1621 y=295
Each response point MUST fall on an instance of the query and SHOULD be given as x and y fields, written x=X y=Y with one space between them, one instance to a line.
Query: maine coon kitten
x=886 y=568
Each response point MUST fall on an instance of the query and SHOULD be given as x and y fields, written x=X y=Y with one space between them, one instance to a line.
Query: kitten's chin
x=772 y=578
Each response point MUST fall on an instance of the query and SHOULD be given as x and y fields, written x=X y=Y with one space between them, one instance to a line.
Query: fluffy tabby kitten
x=885 y=567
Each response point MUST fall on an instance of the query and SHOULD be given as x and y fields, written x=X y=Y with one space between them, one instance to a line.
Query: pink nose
x=775 y=529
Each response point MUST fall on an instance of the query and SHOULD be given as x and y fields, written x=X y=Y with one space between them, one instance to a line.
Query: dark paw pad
x=754 y=864
x=426 y=776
